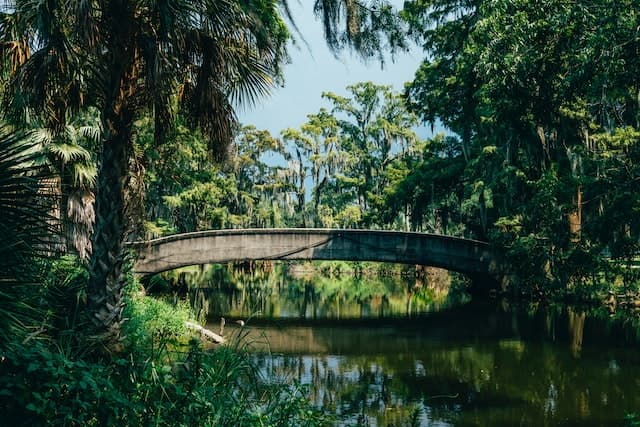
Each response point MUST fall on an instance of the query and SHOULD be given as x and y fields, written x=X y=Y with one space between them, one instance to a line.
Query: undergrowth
x=162 y=378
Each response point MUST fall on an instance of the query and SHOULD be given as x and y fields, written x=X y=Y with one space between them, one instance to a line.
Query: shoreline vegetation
x=163 y=375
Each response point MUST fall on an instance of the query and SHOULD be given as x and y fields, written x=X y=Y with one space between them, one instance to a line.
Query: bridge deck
x=219 y=246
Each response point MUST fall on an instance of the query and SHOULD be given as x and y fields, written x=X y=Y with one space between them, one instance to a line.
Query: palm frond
x=26 y=225
x=25 y=197
x=91 y=133
x=48 y=80
x=68 y=152
x=84 y=175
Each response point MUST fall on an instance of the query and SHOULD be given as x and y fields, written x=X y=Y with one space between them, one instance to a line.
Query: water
x=377 y=363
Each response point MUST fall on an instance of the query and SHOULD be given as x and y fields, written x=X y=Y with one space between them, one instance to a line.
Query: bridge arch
x=470 y=257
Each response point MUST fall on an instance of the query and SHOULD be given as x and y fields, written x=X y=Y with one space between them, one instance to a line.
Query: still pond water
x=379 y=351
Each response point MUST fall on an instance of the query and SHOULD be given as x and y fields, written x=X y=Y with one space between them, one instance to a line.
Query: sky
x=315 y=70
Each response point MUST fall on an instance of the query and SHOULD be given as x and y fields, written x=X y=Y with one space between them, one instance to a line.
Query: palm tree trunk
x=105 y=290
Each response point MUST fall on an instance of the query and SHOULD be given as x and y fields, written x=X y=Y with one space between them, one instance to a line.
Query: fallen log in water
x=205 y=333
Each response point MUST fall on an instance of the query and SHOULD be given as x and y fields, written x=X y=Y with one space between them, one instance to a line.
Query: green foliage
x=631 y=420
x=63 y=296
x=188 y=191
x=70 y=153
x=27 y=229
x=41 y=386
x=153 y=323
x=543 y=99
x=126 y=59
x=197 y=388
x=350 y=155
x=431 y=193
x=162 y=378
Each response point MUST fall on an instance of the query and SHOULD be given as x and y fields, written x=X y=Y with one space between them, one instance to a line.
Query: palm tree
x=73 y=162
x=125 y=57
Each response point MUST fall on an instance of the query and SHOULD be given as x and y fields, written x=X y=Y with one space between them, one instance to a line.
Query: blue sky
x=315 y=70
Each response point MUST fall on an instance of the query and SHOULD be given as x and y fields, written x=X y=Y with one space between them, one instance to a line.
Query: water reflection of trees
x=271 y=292
x=472 y=365
x=522 y=369
x=508 y=383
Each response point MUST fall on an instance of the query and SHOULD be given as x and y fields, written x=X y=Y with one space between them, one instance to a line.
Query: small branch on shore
x=205 y=333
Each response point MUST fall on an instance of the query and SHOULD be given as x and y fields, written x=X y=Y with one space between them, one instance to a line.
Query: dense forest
x=118 y=123
x=540 y=157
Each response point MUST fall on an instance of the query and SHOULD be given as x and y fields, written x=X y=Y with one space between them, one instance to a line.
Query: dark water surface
x=477 y=364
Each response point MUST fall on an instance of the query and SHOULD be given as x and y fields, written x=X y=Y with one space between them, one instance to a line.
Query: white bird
x=240 y=322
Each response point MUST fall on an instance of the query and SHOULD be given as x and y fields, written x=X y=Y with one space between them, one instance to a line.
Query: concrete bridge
x=470 y=257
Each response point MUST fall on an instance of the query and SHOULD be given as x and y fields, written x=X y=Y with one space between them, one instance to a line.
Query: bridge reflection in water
x=470 y=257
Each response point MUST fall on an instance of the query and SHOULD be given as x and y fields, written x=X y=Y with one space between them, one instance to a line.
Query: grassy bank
x=53 y=373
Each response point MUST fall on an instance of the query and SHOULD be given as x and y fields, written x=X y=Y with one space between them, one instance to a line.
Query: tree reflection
x=496 y=368
x=271 y=292
x=576 y=330
x=349 y=341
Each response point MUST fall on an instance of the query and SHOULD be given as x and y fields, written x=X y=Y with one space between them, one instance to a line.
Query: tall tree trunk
x=484 y=221
x=106 y=282
x=317 y=193
x=105 y=290
x=466 y=142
